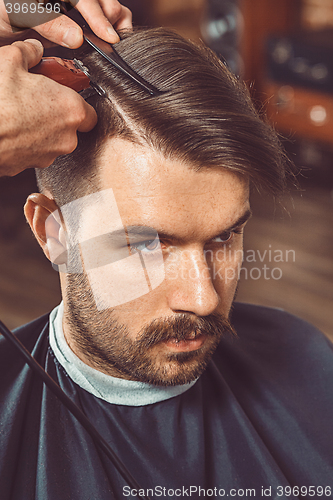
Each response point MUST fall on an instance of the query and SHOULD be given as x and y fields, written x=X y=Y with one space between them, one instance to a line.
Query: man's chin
x=177 y=368
x=175 y=375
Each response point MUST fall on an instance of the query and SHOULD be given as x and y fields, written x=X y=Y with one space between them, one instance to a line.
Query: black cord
x=73 y=408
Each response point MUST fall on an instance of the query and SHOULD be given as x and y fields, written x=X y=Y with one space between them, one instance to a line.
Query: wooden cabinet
x=293 y=110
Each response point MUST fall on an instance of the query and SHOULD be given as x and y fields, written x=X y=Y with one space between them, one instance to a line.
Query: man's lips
x=186 y=345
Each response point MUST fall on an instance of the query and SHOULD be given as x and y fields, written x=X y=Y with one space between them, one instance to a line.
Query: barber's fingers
x=125 y=22
x=69 y=107
x=27 y=53
x=5 y=28
x=51 y=25
x=90 y=118
x=62 y=31
x=102 y=15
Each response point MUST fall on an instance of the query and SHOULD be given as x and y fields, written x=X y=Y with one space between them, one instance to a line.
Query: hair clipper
x=71 y=73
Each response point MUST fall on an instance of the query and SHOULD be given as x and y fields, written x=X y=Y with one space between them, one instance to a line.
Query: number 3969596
x=31 y=8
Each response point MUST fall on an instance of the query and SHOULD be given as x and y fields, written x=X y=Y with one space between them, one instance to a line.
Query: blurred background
x=284 y=51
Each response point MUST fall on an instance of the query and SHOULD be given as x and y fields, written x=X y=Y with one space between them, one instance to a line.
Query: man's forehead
x=168 y=195
x=138 y=173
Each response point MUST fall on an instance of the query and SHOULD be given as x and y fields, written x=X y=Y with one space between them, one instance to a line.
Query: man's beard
x=107 y=344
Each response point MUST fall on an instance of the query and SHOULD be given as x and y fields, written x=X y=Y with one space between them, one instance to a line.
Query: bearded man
x=197 y=394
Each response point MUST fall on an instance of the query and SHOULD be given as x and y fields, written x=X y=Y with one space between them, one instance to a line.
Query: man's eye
x=223 y=238
x=146 y=246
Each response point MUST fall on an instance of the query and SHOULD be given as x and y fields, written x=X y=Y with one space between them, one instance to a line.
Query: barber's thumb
x=90 y=119
x=32 y=52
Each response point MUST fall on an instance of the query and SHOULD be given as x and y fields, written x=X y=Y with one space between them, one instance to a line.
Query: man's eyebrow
x=148 y=232
x=239 y=222
x=134 y=231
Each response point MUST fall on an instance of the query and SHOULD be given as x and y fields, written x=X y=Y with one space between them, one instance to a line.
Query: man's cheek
x=225 y=264
x=125 y=280
x=99 y=246
x=234 y=265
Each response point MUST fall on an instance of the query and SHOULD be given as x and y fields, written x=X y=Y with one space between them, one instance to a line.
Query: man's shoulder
x=272 y=342
x=277 y=325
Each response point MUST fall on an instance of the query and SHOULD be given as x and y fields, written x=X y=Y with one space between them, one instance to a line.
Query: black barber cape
x=257 y=423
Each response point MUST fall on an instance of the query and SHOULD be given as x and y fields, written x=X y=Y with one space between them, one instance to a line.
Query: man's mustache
x=182 y=327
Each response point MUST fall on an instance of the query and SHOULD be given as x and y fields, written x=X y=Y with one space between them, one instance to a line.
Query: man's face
x=167 y=335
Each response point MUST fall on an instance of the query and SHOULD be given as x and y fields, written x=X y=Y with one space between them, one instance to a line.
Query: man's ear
x=43 y=216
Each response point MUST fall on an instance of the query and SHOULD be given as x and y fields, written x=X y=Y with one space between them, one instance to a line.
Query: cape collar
x=113 y=390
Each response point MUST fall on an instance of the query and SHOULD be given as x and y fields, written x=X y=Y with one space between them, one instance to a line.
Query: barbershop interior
x=283 y=50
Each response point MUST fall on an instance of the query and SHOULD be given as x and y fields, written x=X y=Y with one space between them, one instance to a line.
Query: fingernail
x=35 y=42
x=71 y=38
x=112 y=33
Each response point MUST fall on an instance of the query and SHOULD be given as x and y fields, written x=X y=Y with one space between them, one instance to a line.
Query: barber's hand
x=39 y=118
x=101 y=15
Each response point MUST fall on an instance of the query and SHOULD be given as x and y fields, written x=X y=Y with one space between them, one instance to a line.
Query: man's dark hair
x=205 y=117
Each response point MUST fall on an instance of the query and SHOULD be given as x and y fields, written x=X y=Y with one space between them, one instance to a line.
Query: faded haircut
x=205 y=117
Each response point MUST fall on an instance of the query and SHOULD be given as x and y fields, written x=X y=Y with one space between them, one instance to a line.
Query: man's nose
x=190 y=287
